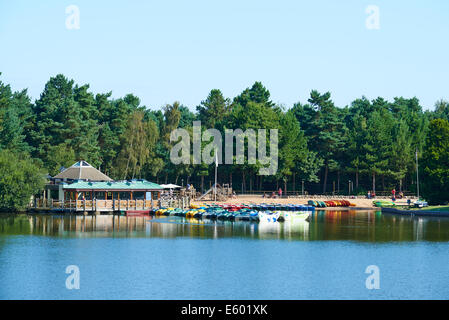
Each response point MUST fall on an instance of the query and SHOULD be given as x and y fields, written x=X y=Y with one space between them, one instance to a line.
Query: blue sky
x=164 y=51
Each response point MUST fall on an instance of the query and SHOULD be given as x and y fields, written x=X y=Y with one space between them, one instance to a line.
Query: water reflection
x=368 y=226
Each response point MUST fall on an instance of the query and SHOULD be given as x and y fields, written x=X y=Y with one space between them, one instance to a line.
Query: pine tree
x=435 y=163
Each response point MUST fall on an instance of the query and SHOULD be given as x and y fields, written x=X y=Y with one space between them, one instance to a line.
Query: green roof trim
x=113 y=185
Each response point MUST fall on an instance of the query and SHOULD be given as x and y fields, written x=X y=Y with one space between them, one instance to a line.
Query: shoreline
x=360 y=203
x=49 y=212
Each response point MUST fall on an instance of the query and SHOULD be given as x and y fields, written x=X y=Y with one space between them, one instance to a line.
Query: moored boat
x=269 y=216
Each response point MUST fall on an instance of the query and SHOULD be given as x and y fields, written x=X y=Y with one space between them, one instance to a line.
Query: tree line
x=323 y=146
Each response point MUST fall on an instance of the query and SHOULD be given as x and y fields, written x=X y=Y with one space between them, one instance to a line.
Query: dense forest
x=321 y=146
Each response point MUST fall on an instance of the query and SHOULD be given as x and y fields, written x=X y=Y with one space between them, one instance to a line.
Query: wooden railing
x=95 y=205
x=108 y=205
x=183 y=202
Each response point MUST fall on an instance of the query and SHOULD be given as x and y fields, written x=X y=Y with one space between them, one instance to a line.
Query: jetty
x=416 y=212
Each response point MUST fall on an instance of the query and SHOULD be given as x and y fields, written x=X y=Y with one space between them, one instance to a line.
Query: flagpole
x=417 y=175
x=216 y=166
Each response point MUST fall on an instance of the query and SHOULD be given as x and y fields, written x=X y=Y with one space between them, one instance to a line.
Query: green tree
x=20 y=178
x=137 y=144
x=253 y=116
x=62 y=156
x=187 y=117
x=401 y=158
x=257 y=93
x=12 y=132
x=327 y=130
x=15 y=113
x=66 y=114
x=377 y=146
x=441 y=110
x=214 y=109
x=435 y=163
x=294 y=155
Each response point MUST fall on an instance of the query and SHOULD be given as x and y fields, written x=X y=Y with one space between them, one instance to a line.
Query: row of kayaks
x=243 y=214
x=330 y=203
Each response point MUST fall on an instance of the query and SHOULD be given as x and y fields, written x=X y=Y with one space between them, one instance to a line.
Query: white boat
x=268 y=216
x=295 y=215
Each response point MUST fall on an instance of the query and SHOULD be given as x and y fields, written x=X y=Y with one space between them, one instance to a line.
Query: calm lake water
x=174 y=258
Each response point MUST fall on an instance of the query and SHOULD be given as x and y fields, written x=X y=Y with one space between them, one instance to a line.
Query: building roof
x=170 y=186
x=132 y=185
x=82 y=171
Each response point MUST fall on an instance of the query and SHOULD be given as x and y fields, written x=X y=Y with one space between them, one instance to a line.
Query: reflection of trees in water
x=330 y=225
x=373 y=226
x=65 y=225
x=14 y=224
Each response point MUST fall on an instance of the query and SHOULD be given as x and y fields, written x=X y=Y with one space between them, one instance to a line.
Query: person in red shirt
x=280 y=193
x=394 y=194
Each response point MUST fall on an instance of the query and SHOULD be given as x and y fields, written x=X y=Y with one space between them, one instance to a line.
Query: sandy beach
x=252 y=199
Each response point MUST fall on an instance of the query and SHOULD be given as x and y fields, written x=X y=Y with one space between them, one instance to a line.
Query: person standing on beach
x=280 y=193
x=393 y=192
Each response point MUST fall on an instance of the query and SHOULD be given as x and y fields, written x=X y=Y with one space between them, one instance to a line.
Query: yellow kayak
x=191 y=213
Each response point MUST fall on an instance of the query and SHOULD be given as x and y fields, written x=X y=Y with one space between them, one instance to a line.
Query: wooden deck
x=107 y=206
x=94 y=205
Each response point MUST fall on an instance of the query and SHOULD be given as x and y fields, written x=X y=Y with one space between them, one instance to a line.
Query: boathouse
x=138 y=194
x=136 y=189
x=80 y=171
x=82 y=187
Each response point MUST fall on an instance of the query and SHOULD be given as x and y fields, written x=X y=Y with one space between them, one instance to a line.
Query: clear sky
x=164 y=51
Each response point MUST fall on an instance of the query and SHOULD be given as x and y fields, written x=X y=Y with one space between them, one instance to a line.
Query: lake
x=174 y=258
